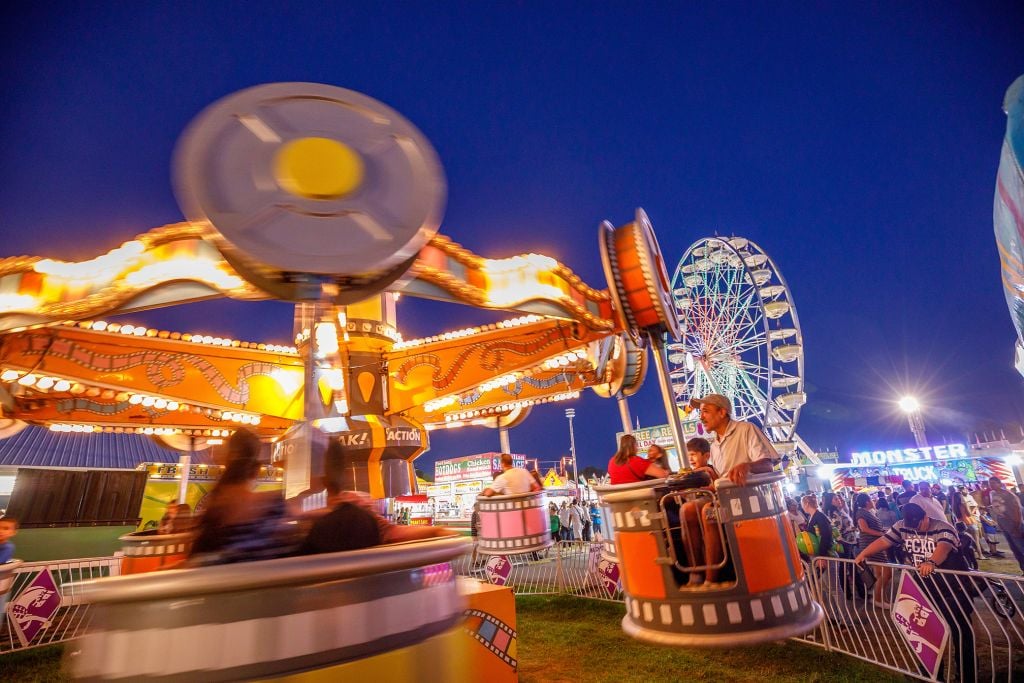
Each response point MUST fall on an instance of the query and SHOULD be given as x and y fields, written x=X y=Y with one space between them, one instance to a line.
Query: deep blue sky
x=857 y=144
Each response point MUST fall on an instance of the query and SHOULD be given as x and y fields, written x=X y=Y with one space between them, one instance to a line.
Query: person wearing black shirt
x=932 y=544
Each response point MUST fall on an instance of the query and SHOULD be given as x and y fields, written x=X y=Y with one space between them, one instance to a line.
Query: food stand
x=458 y=481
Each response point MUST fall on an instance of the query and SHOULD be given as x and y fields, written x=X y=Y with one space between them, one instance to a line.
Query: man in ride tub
x=739 y=450
x=512 y=480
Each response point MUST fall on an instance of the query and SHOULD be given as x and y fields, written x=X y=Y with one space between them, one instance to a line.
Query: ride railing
x=45 y=604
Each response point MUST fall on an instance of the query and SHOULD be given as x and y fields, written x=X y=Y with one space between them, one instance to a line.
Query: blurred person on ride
x=926 y=500
x=932 y=544
x=177 y=519
x=1009 y=516
x=351 y=519
x=627 y=467
x=740 y=448
x=656 y=455
x=871 y=528
x=240 y=524
x=512 y=480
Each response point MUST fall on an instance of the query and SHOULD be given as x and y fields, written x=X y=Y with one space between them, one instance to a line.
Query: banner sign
x=923 y=628
x=31 y=610
x=899 y=456
x=469 y=467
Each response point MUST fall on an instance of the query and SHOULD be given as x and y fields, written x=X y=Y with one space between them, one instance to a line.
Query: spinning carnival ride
x=741 y=336
x=329 y=199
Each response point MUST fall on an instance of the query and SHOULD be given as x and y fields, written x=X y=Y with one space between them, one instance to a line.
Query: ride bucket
x=513 y=524
x=607 y=528
x=145 y=552
x=389 y=613
x=769 y=598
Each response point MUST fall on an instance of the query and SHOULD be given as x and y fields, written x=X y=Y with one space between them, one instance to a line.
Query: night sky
x=858 y=146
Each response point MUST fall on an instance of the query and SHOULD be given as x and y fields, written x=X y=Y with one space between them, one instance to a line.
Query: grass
x=38 y=665
x=568 y=639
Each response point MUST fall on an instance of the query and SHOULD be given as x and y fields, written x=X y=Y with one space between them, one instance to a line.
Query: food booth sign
x=472 y=467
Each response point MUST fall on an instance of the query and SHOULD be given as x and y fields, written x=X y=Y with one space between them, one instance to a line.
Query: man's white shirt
x=742 y=442
x=512 y=481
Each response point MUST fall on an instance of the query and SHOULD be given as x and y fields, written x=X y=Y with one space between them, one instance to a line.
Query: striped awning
x=39 y=447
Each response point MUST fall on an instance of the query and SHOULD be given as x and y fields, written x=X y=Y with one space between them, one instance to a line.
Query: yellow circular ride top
x=318 y=168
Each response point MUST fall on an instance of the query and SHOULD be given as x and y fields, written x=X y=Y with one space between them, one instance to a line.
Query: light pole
x=912 y=407
x=571 y=413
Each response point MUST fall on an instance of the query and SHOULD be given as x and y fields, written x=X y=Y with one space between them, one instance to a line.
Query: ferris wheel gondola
x=741 y=334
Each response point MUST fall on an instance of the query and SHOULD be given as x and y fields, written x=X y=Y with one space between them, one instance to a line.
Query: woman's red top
x=632 y=471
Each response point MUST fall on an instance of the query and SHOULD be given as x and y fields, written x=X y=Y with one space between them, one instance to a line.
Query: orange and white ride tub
x=767 y=600
x=388 y=613
x=513 y=524
x=145 y=552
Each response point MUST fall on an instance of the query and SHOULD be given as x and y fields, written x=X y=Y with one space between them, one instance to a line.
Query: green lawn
x=38 y=665
x=569 y=639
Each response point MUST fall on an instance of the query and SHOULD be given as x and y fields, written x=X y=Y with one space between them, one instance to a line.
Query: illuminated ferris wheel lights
x=741 y=334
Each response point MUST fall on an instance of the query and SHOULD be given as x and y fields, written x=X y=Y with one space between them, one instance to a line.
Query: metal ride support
x=660 y=354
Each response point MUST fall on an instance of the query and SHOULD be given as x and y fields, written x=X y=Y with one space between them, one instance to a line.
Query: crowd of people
x=849 y=524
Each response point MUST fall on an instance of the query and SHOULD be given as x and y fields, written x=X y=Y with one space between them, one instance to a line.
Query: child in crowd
x=8 y=530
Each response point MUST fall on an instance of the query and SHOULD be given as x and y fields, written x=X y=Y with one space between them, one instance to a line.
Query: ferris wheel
x=741 y=335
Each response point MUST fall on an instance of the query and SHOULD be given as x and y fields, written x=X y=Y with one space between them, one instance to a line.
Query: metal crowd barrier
x=983 y=615
x=45 y=604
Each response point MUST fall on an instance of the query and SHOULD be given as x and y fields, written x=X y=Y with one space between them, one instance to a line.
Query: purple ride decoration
x=31 y=609
x=921 y=625
x=497 y=569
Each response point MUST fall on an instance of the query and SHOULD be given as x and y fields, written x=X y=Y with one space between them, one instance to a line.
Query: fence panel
x=980 y=615
x=24 y=626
